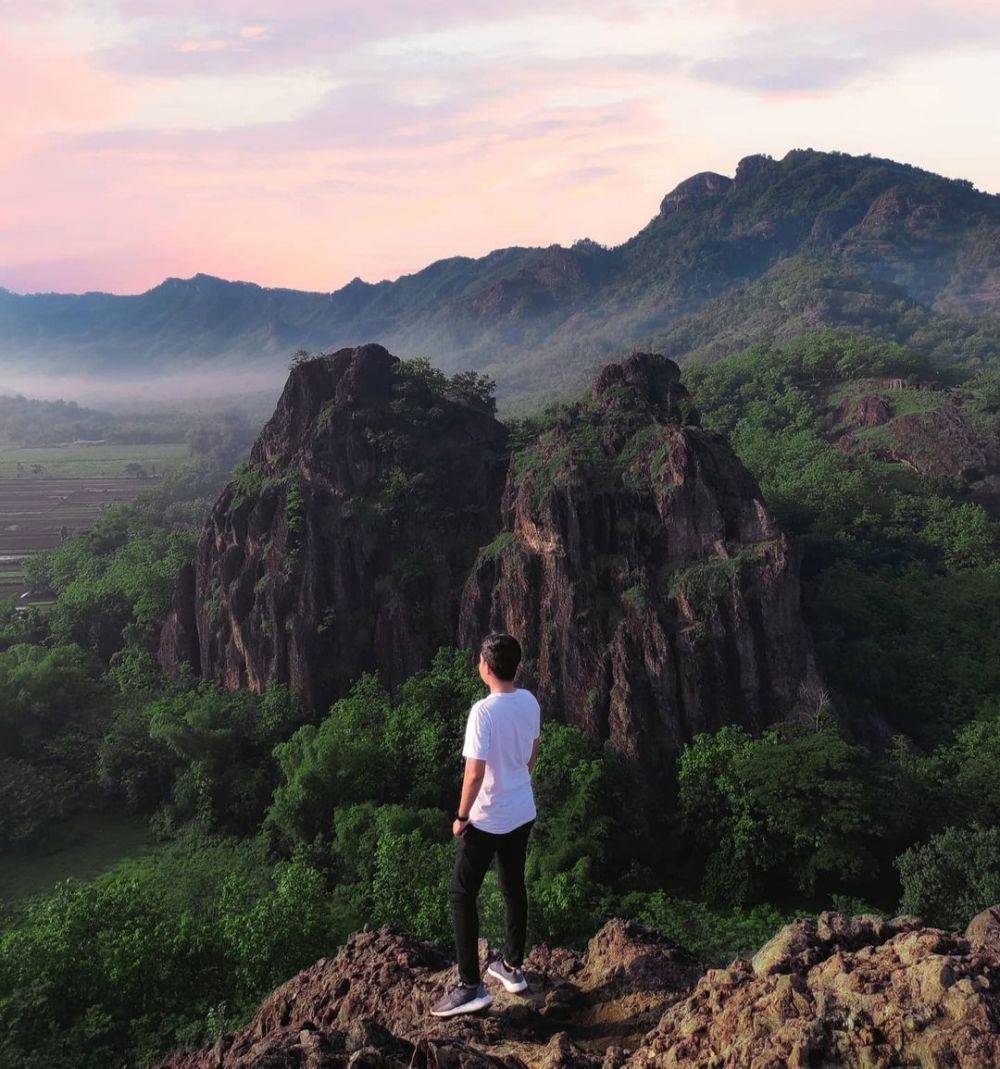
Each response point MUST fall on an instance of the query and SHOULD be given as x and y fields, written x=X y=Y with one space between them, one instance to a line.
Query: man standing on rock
x=494 y=819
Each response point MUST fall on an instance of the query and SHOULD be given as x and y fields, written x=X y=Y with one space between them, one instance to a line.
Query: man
x=494 y=818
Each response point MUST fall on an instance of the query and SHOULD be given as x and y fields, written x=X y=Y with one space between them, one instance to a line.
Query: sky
x=303 y=144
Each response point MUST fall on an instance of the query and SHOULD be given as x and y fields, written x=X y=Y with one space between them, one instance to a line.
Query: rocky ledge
x=931 y=429
x=835 y=991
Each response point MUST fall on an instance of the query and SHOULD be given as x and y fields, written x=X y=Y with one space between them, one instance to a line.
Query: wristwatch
x=458 y=816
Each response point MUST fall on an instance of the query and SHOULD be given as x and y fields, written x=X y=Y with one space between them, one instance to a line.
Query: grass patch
x=83 y=847
x=875 y=437
x=636 y=597
x=705 y=582
x=496 y=549
x=914 y=402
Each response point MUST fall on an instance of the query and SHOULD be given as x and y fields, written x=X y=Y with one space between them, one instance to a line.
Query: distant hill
x=27 y=421
x=810 y=241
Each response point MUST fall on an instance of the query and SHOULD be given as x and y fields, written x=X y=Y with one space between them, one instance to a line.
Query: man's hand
x=475 y=773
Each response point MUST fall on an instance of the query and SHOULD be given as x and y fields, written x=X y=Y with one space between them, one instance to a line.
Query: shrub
x=953 y=876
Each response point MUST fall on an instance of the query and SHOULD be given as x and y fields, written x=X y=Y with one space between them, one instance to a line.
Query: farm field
x=46 y=493
x=80 y=461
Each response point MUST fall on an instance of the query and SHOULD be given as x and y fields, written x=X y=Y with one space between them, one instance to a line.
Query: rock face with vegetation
x=837 y=990
x=930 y=428
x=341 y=546
x=631 y=553
x=644 y=574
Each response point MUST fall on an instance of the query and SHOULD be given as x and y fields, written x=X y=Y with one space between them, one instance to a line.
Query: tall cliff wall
x=653 y=592
x=342 y=546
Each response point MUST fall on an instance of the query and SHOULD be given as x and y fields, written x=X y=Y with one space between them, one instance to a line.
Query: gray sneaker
x=462 y=999
x=512 y=979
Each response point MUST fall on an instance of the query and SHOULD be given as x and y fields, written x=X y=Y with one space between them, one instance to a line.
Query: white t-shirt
x=501 y=731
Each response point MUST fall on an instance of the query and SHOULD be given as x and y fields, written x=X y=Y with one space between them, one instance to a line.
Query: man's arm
x=475 y=771
x=534 y=755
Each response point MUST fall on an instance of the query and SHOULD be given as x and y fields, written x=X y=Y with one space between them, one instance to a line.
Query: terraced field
x=48 y=493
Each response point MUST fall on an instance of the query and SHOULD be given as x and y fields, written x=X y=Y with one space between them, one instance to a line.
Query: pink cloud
x=408 y=154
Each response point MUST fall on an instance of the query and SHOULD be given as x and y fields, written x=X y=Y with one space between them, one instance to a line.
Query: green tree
x=789 y=809
x=953 y=876
x=42 y=691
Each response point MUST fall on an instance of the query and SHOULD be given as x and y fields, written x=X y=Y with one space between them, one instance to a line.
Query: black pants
x=475 y=852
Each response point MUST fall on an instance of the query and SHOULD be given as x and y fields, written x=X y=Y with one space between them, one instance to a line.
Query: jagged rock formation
x=836 y=991
x=644 y=574
x=841 y=992
x=370 y=1003
x=698 y=187
x=343 y=544
x=635 y=558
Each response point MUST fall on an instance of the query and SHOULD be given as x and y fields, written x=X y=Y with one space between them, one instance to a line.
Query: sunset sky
x=301 y=144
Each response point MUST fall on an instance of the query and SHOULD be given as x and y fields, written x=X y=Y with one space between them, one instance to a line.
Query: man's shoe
x=462 y=999
x=512 y=979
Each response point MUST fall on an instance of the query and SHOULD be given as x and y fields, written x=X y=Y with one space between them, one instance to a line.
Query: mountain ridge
x=900 y=242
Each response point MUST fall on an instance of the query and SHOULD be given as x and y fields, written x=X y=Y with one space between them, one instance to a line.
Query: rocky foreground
x=836 y=991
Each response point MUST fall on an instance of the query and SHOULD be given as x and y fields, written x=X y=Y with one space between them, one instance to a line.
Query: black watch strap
x=458 y=816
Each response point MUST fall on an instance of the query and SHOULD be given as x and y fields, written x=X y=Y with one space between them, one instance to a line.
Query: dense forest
x=282 y=830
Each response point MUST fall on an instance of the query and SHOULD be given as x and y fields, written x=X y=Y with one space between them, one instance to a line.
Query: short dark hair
x=502 y=653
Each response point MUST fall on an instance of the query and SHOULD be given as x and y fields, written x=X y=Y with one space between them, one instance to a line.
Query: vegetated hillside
x=632 y=553
x=27 y=421
x=886 y=471
x=809 y=241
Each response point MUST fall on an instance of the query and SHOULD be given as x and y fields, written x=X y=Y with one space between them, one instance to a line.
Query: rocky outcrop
x=698 y=187
x=752 y=167
x=944 y=442
x=925 y=427
x=342 y=546
x=370 y=1003
x=639 y=564
x=630 y=551
x=871 y=410
x=840 y=991
x=833 y=991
